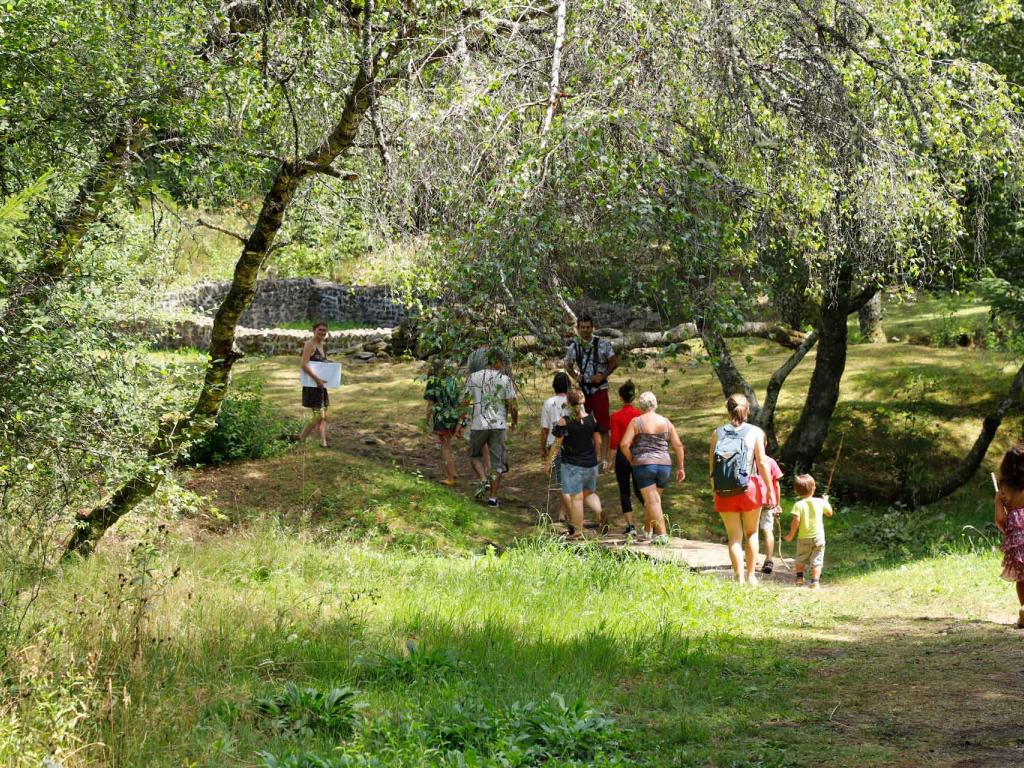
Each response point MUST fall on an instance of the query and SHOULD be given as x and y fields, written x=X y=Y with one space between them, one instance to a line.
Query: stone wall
x=296 y=300
x=195 y=332
x=608 y=315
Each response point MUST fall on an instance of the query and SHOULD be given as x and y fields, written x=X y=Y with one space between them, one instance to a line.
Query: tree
x=388 y=46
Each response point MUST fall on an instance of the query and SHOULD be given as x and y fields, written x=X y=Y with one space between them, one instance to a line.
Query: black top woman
x=316 y=397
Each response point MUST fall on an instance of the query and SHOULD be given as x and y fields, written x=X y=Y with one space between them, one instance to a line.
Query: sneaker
x=799 y=580
x=768 y=567
x=630 y=531
x=752 y=580
x=570 y=529
x=492 y=502
x=660 y=540
x=814 y=584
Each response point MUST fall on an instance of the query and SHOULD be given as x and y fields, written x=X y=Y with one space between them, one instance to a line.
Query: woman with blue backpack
x=738 y=460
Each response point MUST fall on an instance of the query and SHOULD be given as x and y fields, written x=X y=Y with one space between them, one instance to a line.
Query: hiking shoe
x=492 y=502
x=630 y=531
x=768 y=567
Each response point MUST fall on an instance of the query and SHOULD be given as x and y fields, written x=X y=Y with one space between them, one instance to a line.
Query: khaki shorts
x=810 y=552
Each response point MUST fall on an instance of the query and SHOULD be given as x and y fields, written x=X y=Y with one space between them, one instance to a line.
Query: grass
x=337 y=607
x=929 y=318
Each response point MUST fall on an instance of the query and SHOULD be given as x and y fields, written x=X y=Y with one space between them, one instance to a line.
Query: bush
x=306 y=711
x=247 y=428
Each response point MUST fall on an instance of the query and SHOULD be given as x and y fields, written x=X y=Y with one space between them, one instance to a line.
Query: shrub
x=247 y=428
x=307 y=711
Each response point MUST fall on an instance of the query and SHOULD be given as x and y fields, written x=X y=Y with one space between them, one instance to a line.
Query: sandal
x=768 y=567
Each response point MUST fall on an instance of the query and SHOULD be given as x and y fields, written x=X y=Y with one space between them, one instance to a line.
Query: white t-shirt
x=489 y=390
x=550 y=413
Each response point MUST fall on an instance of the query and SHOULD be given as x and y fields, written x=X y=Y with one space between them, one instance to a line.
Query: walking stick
x=839 y=452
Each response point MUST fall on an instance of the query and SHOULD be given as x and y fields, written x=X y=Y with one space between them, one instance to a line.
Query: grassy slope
x=903 y=660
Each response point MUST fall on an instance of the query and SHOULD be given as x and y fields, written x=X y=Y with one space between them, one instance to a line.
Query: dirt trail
x=942 y=691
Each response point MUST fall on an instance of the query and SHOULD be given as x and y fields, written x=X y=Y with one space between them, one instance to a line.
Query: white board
x=329 y=372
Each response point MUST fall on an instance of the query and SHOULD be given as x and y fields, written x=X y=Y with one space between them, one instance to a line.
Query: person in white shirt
x=550 y=413
x=492 y=396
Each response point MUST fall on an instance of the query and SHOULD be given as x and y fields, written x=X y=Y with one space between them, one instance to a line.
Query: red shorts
x=755 y=497
x=597 y=404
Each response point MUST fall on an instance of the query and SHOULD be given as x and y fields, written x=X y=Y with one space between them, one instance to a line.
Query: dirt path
x=942 y=691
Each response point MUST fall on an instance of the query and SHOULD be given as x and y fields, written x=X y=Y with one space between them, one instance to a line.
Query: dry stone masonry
x=297 y=300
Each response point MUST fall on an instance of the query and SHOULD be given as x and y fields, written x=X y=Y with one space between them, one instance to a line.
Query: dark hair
x=560 y=383
x=803 y=485
x=318 y=323
x=495 y=355
x=738 y=407
x=1011 y=468
x=584 y=318
x=627 y=391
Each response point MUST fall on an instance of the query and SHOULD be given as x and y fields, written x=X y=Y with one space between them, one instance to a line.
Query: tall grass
x=529 y=647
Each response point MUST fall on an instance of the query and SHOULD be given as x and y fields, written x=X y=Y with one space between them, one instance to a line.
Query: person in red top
x=623 y=471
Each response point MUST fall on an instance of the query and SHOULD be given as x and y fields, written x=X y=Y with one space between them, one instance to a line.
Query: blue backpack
x=731 y=475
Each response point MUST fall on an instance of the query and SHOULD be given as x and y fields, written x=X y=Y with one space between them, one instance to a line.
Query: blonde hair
x=738 y=407
x=574 y=399
x=803 y=485
x=647 y=401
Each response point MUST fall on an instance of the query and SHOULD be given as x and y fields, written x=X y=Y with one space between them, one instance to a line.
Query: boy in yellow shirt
x=808 y=517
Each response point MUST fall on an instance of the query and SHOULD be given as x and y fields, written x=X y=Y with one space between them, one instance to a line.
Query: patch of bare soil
x=941 y=692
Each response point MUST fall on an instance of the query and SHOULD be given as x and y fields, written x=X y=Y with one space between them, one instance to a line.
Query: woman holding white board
x=315 y=397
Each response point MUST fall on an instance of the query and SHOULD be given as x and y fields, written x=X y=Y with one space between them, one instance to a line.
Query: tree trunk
x=112 y=163
x=964 y=471
x=766 y=416
x=176 y=432
x=870 y=317
x=804 y=444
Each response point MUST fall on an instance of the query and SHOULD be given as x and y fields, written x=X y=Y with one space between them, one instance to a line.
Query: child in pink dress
x=1010 y=520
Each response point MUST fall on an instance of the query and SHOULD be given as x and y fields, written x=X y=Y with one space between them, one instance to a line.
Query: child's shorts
x=767 y=521
x=810 y=552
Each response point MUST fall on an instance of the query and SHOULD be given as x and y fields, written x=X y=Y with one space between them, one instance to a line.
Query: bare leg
x=769 y=542
x=447 y=462
x=487 y=460
x=749 y=522
x=593 y=503
x=495 y=484
x=322 y=427
x=1020 y=592
x=652 y=504
x=576 y=511
x=815 y=572
x=479 y=468
x=308 y=429
x=734 y=531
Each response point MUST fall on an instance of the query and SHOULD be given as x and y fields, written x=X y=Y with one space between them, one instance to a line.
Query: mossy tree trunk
x=870 y=318
x=177 y=431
